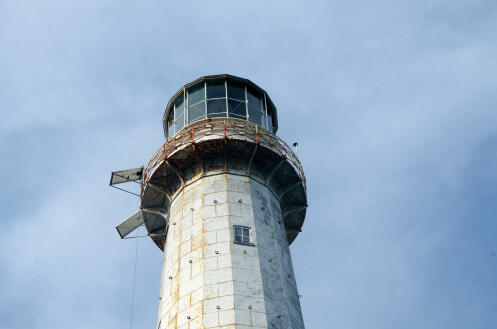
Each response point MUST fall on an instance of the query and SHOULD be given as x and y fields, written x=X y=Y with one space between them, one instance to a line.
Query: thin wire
x=136 y=236
x=125 y=190
x=134 y=280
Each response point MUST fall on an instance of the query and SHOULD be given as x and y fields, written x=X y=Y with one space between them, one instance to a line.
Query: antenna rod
x=296 y=145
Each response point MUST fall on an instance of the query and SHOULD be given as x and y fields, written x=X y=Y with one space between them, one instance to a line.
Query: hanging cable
x=134 y=280
x=125 y=190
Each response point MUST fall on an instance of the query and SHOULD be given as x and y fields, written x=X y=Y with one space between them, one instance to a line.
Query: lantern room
x=219 y=96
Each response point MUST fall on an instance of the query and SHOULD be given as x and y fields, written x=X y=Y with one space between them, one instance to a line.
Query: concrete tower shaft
x=224 y=197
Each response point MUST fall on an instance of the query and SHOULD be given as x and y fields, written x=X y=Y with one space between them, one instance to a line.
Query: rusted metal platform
x=222 y=146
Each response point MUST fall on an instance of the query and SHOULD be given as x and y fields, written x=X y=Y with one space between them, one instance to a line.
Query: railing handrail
x=223 y=128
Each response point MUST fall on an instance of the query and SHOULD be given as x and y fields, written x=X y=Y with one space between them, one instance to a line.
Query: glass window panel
x=242 y=234
x=238 y=234
x=237 y=108
x=255 y=115
x=264 y=115
x=245 y=235
x=254 y=108
x=170 y=127
x=179 y=106
x=196 y=94
x=270 y=121
x=217 y=115
x=216 y=106
x=179 y=123
x=236 y=116
x=253 y=99
x=246 y=239
x=236 y=91
x=196 y=112
x=216 y=89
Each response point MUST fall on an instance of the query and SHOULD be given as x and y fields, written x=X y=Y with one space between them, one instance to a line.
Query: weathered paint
x=218 y=145
x=208 y=281
x=278 y=279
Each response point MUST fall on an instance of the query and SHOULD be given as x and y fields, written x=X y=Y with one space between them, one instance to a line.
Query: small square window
x=242 y=235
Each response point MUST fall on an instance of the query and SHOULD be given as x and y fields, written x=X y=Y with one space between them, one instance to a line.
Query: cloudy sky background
x=392 y=102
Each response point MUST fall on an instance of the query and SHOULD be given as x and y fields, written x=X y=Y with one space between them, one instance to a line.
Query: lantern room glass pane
x=236 y=91
x=196 y=112
x=170 y=127
x=270 y=120
x=216 y=89
x=216 y=106
x=179 y=123
x=179 y=106
x=254 y=108
x=217 y=115
x=255 y=115
x=196 y=94
x=236 y=109
x=220 y=98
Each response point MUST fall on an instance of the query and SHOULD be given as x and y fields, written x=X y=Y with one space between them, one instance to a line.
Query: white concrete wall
x=208 y=281
x=280 y=289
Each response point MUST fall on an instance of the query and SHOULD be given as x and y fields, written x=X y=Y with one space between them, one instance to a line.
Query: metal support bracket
x=176 y=171
x=154 y=211
x=199 y=159
x=274 y=170
x=288 y=189
x=252 y=156
x=294 y=210
x=292 y=230
x=161 y=190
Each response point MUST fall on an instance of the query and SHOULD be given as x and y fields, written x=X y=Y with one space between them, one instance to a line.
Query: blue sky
x=393 y=104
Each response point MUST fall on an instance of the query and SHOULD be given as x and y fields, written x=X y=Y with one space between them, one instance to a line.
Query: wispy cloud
x=393 y=104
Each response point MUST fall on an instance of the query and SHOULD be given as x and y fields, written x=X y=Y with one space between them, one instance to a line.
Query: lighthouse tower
x=224 y=198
